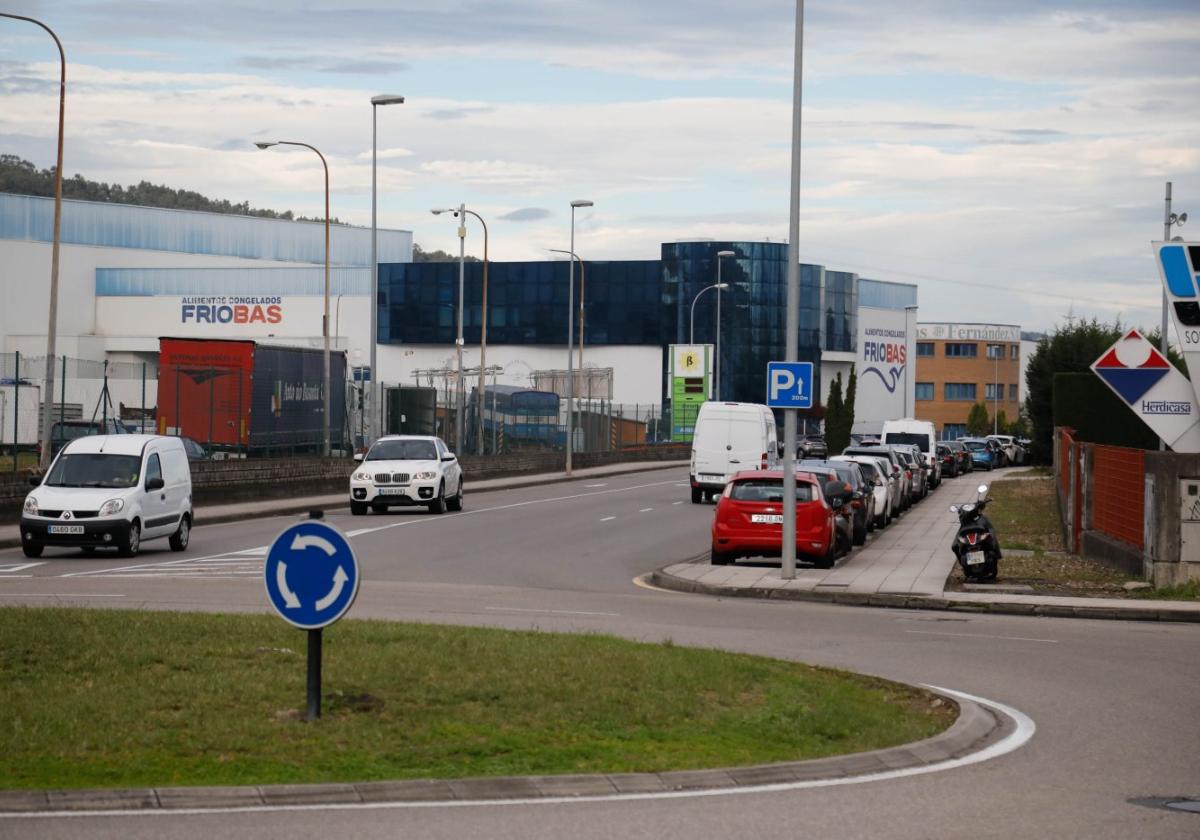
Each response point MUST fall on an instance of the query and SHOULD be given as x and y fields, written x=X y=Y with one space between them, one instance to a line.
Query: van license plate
x=65 y=529
x=767 y=518
x=974 y=558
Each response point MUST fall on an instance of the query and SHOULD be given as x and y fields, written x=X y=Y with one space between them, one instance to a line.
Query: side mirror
x=155 y=484
x=780 y=449
x=954 y=508
x=833 y=493
x=35 y=481
x=358 y=456
x=449 y=456
x=878 y=482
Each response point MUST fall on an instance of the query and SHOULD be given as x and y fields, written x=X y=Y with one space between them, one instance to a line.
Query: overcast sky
x=1008 y=157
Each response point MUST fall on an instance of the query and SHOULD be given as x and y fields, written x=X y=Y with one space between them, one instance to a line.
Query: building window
x=962 y=350
x=1014 y=352
x=959 y=390
x=993 y=392
x=995 y=351
x=1012 y=393
x=954 y=431
x=924 y=390
x=924 y=348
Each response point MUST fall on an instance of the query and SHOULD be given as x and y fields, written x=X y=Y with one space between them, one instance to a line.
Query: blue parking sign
x=790 y=384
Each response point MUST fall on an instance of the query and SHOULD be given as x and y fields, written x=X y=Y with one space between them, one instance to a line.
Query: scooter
x=976 y=545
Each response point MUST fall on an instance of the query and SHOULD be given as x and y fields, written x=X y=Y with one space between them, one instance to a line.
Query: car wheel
x=456 y=503
x=358 y=508
x=32 y=549
x=179 y=540
x=696 y=495
x=438 y=505
x=860 y=534
x=720 y=558
x=829 y=558
x=131 y=543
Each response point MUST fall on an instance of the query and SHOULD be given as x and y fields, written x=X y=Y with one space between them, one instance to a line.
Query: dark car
x=812 y=446
x=862 y=500
x=65 y=431
x=962 y=457
x=948 y=460
x=195 y=452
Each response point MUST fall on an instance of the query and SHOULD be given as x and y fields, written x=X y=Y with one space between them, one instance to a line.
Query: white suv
x=406 y=470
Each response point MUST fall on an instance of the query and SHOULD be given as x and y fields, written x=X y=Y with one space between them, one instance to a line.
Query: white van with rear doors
x=921 y=434
x=111 y=491
x=730 y=437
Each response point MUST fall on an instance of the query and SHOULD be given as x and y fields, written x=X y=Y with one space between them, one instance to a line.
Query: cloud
x=457 y=113
x=492 y=172
x=386 y=154
x=526 y=214
x=365 y=67
x=267 y=62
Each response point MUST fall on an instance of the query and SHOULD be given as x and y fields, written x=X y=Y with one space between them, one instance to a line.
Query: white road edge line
x=1021 y=734
x=982 y=636
x=608 y=519
x=552 y=612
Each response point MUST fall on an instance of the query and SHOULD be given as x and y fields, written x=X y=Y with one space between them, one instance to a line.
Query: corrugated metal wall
x=189 y=232
x=148 y=282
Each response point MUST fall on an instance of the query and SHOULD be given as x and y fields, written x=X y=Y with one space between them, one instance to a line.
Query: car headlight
x=31 y=506
x=111 y=507
x=362 y=476
x=425 y=476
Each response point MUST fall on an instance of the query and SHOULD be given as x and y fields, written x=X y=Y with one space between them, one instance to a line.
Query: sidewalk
x=906 y=566
x=217 y=514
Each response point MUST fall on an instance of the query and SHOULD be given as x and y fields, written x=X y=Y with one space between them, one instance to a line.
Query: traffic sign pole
x=314 y=674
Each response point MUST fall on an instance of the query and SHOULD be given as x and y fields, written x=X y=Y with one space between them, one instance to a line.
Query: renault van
x=921 y=434
x=730 y=437
x=111 y=491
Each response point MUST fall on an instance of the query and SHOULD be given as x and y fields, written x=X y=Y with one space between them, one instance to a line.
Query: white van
x=730 y=437
x=919 y=433
x=111 y=491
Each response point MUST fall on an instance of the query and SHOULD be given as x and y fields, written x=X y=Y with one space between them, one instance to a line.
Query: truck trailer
x=246 y=396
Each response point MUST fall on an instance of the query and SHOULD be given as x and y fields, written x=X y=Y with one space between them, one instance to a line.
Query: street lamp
x=720 y=286
x=482 y=320
x=571 y=335
x=376 y=424
x=692 y=328
x=582 y=286
x=325 y=320
x=52 y=328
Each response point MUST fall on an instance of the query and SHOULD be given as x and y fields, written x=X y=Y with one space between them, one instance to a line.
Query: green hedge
x=1083 y=402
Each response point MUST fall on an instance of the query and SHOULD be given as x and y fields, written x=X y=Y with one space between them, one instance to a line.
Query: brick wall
x=981 y=371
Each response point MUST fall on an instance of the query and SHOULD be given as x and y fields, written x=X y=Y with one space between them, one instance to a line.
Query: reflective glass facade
x=650 y=302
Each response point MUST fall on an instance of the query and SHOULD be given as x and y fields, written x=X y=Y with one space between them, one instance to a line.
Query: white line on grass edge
x=1022 y=733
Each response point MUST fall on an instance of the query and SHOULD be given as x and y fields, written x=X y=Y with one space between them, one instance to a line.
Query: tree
x=851 y=392
x=837 y=432
x=1002 y=427
x=421 y=255
x=978 y=422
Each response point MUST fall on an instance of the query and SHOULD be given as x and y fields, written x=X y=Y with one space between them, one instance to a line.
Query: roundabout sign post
x=311 y=577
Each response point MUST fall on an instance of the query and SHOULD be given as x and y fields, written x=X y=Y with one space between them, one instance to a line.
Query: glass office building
x=640 y=302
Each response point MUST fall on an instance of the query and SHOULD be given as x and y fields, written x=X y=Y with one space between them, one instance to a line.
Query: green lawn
x=95 y=698
x=1025 y=514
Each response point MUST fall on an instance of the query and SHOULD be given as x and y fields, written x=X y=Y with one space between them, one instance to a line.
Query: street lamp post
x=325 y=448
x=692 y=327
x=1169 y=220
x=52 y=328
x=721 y=255
x=995 y=388
x=582 y=286
x=376 y=424
x=571 y=336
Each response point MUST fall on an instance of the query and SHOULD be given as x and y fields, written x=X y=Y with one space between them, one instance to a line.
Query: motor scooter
x=976 y=545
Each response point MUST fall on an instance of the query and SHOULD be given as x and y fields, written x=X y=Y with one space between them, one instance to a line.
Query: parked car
x=961 y=456
x=910 y=456
x=730 y=437
x=812 y=446
x=111 y=491
x=862 y=500
x=921 y=434
x=1013 y=451
x=948 y=460
x=899 y=470
x=881 y=484
x=748 y=521
x=195 y=452
x=65 y=431
x=406 y=470
x=983 y=456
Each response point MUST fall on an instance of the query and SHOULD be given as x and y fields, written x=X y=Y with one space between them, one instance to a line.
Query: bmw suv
x=406 y=470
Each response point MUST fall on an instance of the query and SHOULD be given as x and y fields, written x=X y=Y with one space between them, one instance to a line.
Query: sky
x=1009 y=158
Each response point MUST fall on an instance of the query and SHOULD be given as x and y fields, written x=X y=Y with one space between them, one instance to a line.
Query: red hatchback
x=749 y=519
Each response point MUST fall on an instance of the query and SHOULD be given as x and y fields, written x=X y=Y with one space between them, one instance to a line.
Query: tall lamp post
x=375 y=426
x=995 y=388
x=52 y=328
x=582 y=286
x=1169 y=220
x=721 y=255
x=571 y=336
x=325 y=448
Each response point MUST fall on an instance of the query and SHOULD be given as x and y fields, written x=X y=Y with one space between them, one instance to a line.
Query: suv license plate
x=392 y=491
x=767 y=518
x=974 y=558
x=65 y=529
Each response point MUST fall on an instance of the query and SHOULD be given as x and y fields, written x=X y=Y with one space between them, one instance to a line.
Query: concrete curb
x=289 y=507
x=1045 y=607
x=973 y=730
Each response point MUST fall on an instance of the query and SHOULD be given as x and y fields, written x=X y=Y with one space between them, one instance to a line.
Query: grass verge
x=1025 y=514
x=96 y=698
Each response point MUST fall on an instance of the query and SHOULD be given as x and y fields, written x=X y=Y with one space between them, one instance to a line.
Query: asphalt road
x=1115 y=703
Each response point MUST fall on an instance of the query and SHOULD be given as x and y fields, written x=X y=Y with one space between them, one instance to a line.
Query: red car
x=749 y=519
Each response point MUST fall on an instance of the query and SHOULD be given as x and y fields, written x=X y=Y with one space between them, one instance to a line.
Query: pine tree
x=851 y=391
x=978 y=422
x=837 y=435
x=1002 y=427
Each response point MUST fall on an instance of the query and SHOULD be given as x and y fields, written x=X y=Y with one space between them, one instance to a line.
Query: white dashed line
x=608 y=519
x=645 y=510
x=550 y=612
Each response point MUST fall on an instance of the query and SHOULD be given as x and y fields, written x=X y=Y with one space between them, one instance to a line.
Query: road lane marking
x=676 y=503
x=608 y=519
x=1023 y=730
x=981 y=636
x=550 y=612
x=645 y=510
x=605 y=484
x=8 y=568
